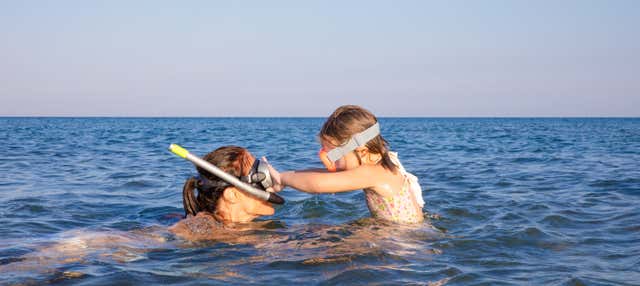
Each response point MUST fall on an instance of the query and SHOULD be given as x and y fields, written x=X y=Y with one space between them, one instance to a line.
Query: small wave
x=503 y=183
x=488 y=171
x=522 y=160
x=605 y=183
x=463 y=212
x=531 y=233
x=532 y=237
x=538 y=207
x=124 y=175
x=158 y=213
x=357 y=276
x=137 y=185
x=510 y=216
x=574 y=282
x=584 y=281
x=557 y=221
x=29 y=209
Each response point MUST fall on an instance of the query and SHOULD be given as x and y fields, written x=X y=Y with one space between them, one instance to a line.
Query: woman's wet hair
x=234 y=160
x=348 y=120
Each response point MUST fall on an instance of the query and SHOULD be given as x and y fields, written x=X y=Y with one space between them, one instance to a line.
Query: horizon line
x=304 y=117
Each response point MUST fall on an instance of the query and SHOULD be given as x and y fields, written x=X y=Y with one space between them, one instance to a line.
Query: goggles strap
x=356 y=141
x=203 y=184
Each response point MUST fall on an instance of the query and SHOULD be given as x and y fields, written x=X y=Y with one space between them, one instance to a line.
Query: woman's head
x=223 y=198
x=342 y=125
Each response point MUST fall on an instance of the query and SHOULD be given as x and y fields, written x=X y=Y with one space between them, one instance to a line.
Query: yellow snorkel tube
x=255 y=192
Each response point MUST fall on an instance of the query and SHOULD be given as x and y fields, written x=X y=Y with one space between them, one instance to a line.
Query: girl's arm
x=324 y=182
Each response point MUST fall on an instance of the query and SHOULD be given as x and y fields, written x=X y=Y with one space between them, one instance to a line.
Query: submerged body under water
x=516 y=201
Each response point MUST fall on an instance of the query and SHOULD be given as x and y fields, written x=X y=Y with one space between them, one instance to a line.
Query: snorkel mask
x=329 y=157
x=254 y=184
x=258 y=177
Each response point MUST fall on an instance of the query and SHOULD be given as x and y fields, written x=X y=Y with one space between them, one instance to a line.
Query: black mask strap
x=205 y=185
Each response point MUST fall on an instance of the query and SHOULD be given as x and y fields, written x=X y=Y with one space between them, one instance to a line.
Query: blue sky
x=305 y=58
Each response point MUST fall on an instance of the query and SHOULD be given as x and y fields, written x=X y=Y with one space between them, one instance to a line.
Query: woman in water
x=218 y=206
x=217 y=212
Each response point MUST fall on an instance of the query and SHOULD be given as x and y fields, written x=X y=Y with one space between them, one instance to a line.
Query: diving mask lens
x=259 y=175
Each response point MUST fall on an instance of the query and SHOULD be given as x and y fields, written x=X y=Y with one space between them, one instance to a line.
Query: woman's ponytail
x=189 y=201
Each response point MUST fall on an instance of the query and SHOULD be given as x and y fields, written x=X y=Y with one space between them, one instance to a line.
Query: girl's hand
x=275 y=178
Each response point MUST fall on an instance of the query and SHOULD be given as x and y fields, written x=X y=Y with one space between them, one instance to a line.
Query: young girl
x=357 y=157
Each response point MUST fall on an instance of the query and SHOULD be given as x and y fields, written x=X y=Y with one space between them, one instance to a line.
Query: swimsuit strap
x=414 y=186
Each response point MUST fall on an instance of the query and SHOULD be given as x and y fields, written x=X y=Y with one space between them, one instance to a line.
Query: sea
x=509 y=201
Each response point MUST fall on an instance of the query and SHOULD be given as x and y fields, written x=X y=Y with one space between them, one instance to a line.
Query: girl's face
x=347 y=162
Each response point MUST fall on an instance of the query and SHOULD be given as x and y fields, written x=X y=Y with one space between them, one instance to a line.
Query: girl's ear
x=363 y=152
x=230 y=194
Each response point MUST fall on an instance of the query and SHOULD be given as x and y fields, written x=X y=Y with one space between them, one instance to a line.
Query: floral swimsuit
x=404 y=206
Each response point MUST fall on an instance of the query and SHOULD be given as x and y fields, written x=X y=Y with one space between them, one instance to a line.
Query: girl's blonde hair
x=348 y=120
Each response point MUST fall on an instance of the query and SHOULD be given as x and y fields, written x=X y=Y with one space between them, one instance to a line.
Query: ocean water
x=548 y=201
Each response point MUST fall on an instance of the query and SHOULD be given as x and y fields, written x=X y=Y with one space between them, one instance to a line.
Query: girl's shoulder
x=387 y=182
